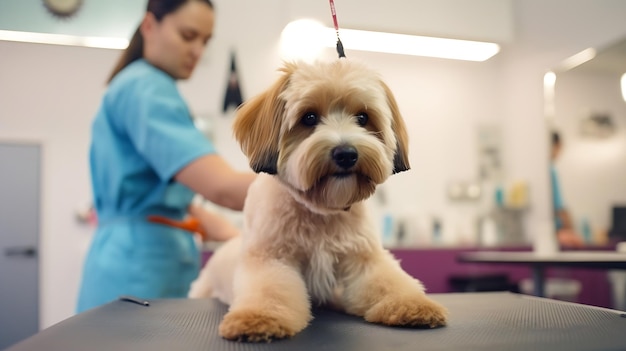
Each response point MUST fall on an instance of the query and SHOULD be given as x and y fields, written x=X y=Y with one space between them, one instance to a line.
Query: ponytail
x=133 y=52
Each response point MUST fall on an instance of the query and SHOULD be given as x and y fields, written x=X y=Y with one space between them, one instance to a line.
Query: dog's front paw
x=408 y=311
x=253 y=326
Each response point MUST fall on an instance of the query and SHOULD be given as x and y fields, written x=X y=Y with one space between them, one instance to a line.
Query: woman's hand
x=213 y=226
x=569 y=238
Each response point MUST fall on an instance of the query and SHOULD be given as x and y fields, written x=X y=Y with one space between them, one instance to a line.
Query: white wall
x=51 y=93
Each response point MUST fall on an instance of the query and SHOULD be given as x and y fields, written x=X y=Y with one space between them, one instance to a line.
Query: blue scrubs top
x=557 y=200
x=143 y=134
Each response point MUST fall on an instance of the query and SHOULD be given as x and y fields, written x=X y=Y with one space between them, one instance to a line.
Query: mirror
x=586 y=104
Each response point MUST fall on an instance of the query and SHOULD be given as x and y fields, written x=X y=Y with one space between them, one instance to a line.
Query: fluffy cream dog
x=322 y=137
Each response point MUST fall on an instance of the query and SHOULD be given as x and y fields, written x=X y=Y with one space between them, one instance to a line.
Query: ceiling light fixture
x=404 y=44
x=301 y=40
x=577 y=59
x=305 y=38
x=63 y=39
x=549 y=82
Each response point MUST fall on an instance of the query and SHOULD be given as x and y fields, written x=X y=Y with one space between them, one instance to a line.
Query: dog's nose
x=345 y=156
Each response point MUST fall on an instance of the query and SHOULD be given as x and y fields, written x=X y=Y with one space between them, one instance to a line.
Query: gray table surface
x=478 y=321
x=583 y=259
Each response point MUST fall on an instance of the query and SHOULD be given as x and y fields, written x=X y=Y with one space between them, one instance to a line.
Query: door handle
x=27 y=251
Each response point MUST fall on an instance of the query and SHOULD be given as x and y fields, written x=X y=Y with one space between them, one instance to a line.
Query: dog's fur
x=307 y=236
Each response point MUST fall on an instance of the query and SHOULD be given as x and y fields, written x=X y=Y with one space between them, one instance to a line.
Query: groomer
x=147 y=158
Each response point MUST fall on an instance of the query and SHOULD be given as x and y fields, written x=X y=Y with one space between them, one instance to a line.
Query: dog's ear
x=257 y=127
x=401 y=157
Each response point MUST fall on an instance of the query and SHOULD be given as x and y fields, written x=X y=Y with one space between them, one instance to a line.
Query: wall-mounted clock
x=63 y=8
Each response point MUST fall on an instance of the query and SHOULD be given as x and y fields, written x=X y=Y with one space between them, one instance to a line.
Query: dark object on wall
x=618 y=223
x=63 y=9
x=233 y=91
x=598 y=125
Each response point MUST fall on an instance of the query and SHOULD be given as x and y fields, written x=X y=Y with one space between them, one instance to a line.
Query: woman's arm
x=213 y=178
x=566 y=235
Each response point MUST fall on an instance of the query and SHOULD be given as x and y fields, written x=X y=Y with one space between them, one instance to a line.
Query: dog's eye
x=361 y=118
x=310 y=119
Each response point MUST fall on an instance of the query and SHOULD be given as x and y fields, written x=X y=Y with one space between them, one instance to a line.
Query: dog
x=321 y=138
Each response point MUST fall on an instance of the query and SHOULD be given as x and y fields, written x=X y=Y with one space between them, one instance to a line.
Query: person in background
x=148 y=159
x=566 y=235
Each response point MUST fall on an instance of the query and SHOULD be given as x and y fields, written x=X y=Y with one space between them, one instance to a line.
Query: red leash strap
x=334 y=13
x=340 y=51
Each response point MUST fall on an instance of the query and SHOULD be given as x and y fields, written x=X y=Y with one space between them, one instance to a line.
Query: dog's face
x=330 y=131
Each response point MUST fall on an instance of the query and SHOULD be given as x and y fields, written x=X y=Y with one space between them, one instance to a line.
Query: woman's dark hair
x=134 y=51
x=556 y=138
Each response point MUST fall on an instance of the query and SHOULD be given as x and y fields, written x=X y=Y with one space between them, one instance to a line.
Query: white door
x=20 y=165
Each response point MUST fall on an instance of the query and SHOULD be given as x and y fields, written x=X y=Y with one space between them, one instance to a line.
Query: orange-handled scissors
x=190 y=224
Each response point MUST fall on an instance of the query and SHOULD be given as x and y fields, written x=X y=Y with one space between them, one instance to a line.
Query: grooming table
x=478 y=321
x=539 y=263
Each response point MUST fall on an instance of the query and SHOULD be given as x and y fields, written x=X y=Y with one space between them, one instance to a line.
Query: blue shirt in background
x=557 y=200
